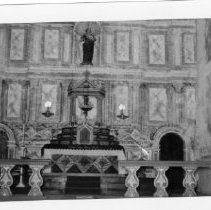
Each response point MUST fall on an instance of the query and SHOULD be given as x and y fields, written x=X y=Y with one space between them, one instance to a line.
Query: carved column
x=161 y=182
x=189 y=181
x=35 y=181
x=179 y=102
x=25 y=101
x=170 y=94
x=3 y=99
x=1 y=94
x=136 y=103
x=132 y=182
x=6 y=180
x=107 y=104
x=73 y=108
x=156 y=152
x=34 y=109
x=99 y=110
x=66 y=102
x=143 y=106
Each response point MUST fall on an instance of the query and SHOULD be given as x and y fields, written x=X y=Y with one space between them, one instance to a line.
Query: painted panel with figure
x=17 y=43
x=189 y=48
x=92 y=115
x=51 y=44
x=49 y=94
x=121 y=94
x=14 y=100
x=190 y=103
x=157 y=104
x=123 y=46
x=157 y=49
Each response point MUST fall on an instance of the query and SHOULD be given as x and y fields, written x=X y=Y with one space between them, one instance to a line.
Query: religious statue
x=88 y=40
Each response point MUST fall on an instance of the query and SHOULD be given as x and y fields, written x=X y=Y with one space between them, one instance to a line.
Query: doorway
x=3 y=145
x=172 y=149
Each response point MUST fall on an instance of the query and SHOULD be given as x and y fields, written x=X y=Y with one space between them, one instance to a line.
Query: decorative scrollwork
x=189 y=182
x=131 y=182
x=161 y=182
x=35 y=181
x=6 y=180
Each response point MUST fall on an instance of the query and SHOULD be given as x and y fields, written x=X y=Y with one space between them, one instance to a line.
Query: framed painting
x=157 y=104
x=17 y=44
x=51 y=44
x=157 y=51
x=123 y=46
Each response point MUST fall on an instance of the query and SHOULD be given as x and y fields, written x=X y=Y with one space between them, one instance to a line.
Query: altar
x=86 y=160
x=86 y=148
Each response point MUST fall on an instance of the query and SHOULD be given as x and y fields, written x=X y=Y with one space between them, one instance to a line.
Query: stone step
x=118 y=179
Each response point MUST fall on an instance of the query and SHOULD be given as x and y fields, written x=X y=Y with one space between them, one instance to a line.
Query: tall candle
x=23 y=132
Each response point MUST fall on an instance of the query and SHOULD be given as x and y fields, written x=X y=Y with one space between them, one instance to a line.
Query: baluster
x=35 y=181
x=161 y=182
x=6 y=180
x=132 y=182
x=189 y=181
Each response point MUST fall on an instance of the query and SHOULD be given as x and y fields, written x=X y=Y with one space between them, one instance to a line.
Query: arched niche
x=87 y=89
x=87 y=42
x=84 y=134
x=12 y=144
x=162 y=131
x=171 y=147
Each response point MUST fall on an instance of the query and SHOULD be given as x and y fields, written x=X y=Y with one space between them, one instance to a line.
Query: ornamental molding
x=134 y=138
x=169 y=128
x=179 y=87
x=9 y=133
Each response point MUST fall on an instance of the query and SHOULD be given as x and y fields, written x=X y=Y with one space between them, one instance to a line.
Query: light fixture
x=122 y=115
x=48 y=112
x=87 y=106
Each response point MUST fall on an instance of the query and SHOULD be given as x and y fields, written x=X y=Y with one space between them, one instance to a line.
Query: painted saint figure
x=88 y=40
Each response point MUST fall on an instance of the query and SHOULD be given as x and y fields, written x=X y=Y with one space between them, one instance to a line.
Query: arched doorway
x=172 y=149
x=3 y=145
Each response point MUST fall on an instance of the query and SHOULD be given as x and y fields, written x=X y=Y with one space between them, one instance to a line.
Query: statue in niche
x=88 y=40
x=87 y=32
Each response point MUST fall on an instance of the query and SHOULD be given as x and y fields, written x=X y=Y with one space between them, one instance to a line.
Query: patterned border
x=130 y=47
x=23 y=98
x=165 y=46
x=25 y=47
x=71 y=44
x=51 y=61
x=165 y=86
x=183 y=47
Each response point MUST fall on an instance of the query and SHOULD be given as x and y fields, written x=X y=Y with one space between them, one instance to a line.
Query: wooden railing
x=161 y=181
x=35 y=180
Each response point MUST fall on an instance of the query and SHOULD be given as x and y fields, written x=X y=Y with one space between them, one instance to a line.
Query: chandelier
x=122 y=115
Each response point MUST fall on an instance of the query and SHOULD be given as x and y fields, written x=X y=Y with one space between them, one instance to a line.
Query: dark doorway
x=83 y=185
x=3 y=145
x=171 y=148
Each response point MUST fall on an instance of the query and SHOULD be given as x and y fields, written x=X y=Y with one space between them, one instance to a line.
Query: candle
x=48 y=104
x=122 y=107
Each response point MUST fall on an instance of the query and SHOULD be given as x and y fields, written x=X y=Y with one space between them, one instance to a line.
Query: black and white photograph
x=103 y=109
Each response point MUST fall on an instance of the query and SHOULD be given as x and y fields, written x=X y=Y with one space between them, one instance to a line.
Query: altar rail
x=161 y=181
x=35 y=180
